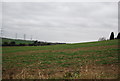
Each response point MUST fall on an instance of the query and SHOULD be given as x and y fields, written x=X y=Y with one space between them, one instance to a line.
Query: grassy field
x=17 y=41
x=92 y=60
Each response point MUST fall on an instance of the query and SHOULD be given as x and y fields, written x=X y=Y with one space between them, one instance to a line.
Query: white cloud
x=60 y=0
x=64 y=22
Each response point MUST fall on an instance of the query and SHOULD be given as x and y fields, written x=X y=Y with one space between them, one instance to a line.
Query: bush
x=21 y=44
x=31 y=44
x=35 y=43
x=5 y=44
x=12 y=43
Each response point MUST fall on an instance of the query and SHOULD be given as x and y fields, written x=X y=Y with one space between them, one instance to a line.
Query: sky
x=69 y=22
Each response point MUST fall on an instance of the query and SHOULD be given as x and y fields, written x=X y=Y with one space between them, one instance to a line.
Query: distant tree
x=118 y=36
x=112 y=36
x=39 y=43
x=31 y=44
x=102 y=39
x=35 y=43
x=12 y=43
x=48 y=43
x=5 y=44
x=21 y=44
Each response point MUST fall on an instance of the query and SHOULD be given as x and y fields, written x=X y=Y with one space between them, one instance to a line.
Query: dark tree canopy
x=12 y=43
x=112 y=36
x=118 y=36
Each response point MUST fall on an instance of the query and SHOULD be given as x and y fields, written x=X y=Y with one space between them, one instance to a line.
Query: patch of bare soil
x=99 y=72
x=83 y=72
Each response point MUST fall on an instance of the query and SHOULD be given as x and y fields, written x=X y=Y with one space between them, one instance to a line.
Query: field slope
x=92 y=60
x=17 y=41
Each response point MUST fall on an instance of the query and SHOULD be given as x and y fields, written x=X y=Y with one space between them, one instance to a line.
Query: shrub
x=5 y=44
x=12 y=43
x=21 y=44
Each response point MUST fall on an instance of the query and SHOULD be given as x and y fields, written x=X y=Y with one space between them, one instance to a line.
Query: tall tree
x=112 y=36
x=118 y=36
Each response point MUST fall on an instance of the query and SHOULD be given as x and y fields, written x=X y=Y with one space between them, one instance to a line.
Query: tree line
x=112 y=37
x=40 y=43
x=35 y=43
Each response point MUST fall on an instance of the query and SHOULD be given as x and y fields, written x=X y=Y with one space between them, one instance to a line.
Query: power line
x=14 y=35
x=1 y=32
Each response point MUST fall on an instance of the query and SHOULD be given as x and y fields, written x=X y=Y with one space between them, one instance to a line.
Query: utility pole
x=31 y=37
x=16 y=35
x=24 y=36
x=1 y=32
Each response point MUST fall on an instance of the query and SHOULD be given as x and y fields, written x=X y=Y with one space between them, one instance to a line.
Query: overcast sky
x=60 y=21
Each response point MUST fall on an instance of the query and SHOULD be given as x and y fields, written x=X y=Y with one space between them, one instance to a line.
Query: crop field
x=18 y=41
x=92 y=60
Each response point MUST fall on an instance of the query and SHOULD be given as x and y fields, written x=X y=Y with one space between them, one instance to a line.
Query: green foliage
x=17 y=41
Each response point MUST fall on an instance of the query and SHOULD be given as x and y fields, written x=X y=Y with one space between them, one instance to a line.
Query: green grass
x=17 y=41
x=55 y=57
x=59 y=47
x=61 y=56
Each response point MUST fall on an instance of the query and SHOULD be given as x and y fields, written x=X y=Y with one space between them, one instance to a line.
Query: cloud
x=62 y=21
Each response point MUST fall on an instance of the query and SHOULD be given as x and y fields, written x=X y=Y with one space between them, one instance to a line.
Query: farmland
x=92 y=60
x=18 y=41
